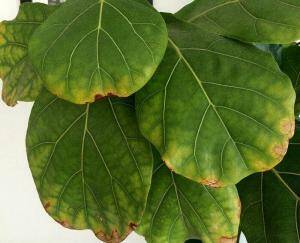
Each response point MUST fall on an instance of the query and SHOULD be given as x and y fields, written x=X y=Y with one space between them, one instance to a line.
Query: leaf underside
x=267 y=21
x=81 y=167
x=179 y=209
x=217 y=110
x=92 y=33
x=270 y=201
x=20 y=80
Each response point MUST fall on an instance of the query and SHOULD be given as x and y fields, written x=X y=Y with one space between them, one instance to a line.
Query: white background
x=22 y=217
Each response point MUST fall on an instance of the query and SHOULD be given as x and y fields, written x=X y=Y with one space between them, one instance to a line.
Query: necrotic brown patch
x=228 y=240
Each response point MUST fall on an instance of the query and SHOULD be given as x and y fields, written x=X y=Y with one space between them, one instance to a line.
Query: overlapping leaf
x=179 y=209
x=119 y=42
x=90 y=164
x=263 y=21
x=20 y=80
x=291 y=66
x=217 y=110
x=270 y=201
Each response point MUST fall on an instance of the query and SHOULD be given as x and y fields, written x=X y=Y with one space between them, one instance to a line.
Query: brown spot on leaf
x=288 y=128
x=47 y=205
x=100 y=97
x=114 y=237
x=64 y=223
x=111 y=95
x=211 y=183
x=280 y=150
x=228 y=239
x=133 y=226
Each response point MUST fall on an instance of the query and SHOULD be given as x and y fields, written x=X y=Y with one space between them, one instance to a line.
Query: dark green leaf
x=90 y=164
x=291 y=66
x=179 y=209
x=20 y=81
x=119 y=43
x=261 y=21
x=217 y=110
x=270 y=201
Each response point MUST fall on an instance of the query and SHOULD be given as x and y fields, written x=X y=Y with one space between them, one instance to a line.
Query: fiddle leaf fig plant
x=172 y=126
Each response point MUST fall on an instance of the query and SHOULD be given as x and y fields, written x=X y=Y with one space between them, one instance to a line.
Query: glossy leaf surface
x=270 y=201
x=217 y=110
x=179 y=209
x=291 y=66
x=119 y=42
x=90 y=164
x=261 y=21
x=20 y=80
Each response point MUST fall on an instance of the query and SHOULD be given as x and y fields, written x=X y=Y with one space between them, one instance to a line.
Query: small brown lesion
x=288 y=128
x=47 y=205
x=280 y=150
x=225 y=239
x=115 y=237
x=64 y=223
x=211 y=183
x=108 y=95
x=133 y=226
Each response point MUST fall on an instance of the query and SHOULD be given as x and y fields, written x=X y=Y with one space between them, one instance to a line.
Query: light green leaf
x=179 y=209
x=270 y=201
x=120 y=43
x=262 y=21
x=290 y=64
x=91 y=166
x=217 y=109
x=20 y=81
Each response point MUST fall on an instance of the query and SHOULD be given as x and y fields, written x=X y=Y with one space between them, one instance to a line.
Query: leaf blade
x=78 y=173
x=177 y=210
x=270 y=201
x=20 y=80
x=254 y=20
x=113 y=68
x=200 y=96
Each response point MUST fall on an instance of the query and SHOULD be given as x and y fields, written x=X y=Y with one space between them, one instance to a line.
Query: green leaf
x=20 y=80
x=120 y=43
x=267 y=21
x=270 y=201
x=217 y=109
x=91 y=166
x=291 y=66
x=179 y=209
x=275 y=50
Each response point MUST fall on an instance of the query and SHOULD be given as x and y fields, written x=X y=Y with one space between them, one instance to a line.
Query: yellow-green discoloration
x=216 y=112
x=96 y=40
x=20 y=80
x=179 y=209
x=79 y=166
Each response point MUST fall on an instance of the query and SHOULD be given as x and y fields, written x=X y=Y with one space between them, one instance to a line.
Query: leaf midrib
x=180 y=54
